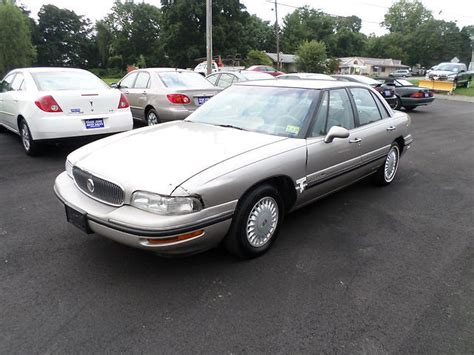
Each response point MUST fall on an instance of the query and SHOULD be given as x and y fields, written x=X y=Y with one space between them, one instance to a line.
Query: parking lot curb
x=455 y=97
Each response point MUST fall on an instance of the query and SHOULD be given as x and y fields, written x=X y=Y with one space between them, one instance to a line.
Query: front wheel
x=386 y=173
x=256 y=222
x=30 y=146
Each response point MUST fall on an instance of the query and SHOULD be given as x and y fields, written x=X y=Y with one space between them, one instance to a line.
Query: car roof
x=47 y=69
x=167 y=69
x=303 y=84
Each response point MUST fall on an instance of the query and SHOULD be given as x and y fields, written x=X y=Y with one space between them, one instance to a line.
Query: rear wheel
x=256 y=222
x=398 y=104
x=386 y=173
x=152 y=117
x=30 y=146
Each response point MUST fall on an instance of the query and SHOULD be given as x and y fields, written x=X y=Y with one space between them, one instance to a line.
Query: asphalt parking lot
x=367 y=270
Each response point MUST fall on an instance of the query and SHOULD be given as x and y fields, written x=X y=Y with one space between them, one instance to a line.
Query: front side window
x=319 y=127
x=339 y=110
x=128 y=81
x=277 y=111
x=5 y=85
x=142 y=81
x=213 y=78
x=226 y=80
x=366 y=106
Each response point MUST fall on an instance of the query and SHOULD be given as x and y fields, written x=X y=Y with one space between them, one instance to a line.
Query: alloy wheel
x=391 y=164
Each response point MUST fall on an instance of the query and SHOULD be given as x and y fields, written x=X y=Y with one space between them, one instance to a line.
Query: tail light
x=178 y=99
x=418 y=94
x=123 y=103
x=48 y=104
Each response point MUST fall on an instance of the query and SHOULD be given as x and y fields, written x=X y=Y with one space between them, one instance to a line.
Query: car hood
x=162 y=157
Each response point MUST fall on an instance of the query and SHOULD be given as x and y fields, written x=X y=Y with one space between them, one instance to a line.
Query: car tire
x=398 y=104
x=152 y=118
x=256 y=222
x=31 y=147
x=387 y=172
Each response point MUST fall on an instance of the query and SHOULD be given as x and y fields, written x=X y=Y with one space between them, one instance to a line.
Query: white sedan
x=42 y=104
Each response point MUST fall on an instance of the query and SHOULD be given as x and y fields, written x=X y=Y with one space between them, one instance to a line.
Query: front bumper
x=140 y=229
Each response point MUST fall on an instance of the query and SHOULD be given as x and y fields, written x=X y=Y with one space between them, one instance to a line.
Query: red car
x=265 y=69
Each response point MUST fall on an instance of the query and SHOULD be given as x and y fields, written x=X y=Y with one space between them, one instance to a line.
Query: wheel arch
x=283 y=183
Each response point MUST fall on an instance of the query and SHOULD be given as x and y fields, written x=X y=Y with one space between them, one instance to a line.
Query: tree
x=387 y=46
x=14 y=25
x=131 y=31
x=306 y=24
x=405 y=16
x=311 y=57
x=255 y=57
x=64 y=38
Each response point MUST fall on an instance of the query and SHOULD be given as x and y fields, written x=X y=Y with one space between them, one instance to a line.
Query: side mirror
x=336 y=132
x=115 y=86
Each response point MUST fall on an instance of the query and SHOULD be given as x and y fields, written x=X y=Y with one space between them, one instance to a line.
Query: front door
x=139 y=95
x=5 y=96
x=331 y=165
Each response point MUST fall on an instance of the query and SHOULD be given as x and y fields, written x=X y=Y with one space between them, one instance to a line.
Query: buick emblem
x=90 y=185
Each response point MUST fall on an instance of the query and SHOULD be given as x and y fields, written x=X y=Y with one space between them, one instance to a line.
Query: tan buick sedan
x=234 y=167
x=159 y=95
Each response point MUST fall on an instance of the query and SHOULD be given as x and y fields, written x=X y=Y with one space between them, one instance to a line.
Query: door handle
x=355 y=140
x=144 y=93
x=391 y=128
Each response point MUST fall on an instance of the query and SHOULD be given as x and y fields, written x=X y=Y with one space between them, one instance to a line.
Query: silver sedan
x=234 y=167
x=159 y=95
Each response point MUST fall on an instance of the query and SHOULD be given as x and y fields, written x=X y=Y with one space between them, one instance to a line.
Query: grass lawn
x=111 y=80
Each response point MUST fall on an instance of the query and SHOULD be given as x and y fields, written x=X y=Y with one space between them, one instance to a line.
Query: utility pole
x=209 y=35
x=277 y=32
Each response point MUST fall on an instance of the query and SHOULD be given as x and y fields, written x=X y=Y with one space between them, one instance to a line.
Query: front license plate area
x=95 y=123
x=388 y=93
x=78 y=219
x=203 y=99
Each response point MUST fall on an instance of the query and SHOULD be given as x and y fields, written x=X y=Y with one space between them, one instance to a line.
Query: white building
x=369 y=66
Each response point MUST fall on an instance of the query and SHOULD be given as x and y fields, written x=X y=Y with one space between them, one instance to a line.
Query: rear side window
x=67 y=80
x=367 y=109
x=383 y=111
x=142 y=81
x=180 y=79
x=5 y=85
x=18 y=82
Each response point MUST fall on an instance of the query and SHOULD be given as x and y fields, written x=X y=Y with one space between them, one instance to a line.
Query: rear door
x=140 y=93
x=375 y=128
x=329 y=165
x=126 y=87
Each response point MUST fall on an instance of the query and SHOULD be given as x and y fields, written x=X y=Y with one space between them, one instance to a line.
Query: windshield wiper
x=230 y=126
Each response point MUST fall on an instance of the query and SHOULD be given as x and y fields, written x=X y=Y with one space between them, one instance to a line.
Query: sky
x=370 y=11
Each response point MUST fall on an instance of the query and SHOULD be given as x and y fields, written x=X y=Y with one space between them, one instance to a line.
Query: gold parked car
x=159 y=95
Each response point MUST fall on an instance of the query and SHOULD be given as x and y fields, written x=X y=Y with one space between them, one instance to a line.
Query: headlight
x=165 y=205
x=69 y=168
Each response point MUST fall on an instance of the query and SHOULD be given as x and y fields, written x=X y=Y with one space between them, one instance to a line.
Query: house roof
x=363 y=61
x=284 y=58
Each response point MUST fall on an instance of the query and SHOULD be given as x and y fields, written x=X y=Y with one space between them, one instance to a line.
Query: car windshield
x=67 y=80
x=184 y=79
x=278 y=111
x=448 y=67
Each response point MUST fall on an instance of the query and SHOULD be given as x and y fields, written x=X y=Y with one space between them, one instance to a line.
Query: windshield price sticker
x=292 y=129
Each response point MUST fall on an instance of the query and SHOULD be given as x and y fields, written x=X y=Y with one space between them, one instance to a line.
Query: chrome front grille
x=97 y=188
